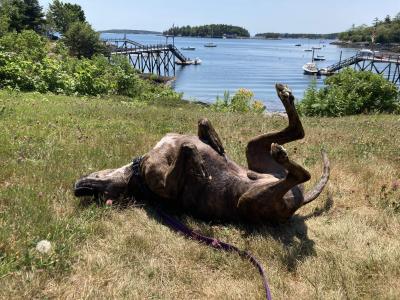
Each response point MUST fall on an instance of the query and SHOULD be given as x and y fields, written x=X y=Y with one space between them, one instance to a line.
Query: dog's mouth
x=84 y=188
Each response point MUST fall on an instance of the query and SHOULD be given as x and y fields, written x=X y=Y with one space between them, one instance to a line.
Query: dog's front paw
x=279 y=153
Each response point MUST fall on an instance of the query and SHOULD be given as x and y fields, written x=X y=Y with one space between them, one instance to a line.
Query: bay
x=245 y=63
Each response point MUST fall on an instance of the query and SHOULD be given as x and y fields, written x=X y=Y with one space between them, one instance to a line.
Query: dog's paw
x=285 y=94
x=279 y=153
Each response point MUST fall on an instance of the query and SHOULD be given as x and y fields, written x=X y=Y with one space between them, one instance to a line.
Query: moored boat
x=310 y=69
x=197 y=61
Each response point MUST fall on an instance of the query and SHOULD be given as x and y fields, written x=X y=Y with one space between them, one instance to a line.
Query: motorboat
x=308 y=50
x=319 y=58
x=310 y=69
x=298 y=45
x=188 y=48
x=210 y=45
x=197 y=61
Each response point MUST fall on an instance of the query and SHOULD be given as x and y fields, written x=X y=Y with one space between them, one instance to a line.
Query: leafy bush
x=351 y=92
x=26 y=44
x=30 y=63
x=242 y=101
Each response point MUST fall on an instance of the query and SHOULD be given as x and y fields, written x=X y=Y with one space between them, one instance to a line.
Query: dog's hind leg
x=258 y=149
x=268 y=199
x=208 y=135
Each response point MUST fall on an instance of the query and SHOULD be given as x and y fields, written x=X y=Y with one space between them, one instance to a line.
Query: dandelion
x=43 y=247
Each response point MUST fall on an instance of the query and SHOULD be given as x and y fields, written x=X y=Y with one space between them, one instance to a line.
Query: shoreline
x=393 y=47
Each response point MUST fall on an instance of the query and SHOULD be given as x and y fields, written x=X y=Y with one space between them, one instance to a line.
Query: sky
x=293 y=16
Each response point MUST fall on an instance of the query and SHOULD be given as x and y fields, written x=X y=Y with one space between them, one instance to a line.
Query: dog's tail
x=317 y=190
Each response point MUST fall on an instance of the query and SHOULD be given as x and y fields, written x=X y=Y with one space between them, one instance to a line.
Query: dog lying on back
x=195 y=174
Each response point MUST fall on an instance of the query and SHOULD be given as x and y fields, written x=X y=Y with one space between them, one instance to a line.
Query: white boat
x=310 y=69
x=210 y=45
x=197 y=61
x=319 y=58
x=308 y=50
x=188 y=48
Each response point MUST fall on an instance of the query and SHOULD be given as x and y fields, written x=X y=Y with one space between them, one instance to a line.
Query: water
x=252 y=64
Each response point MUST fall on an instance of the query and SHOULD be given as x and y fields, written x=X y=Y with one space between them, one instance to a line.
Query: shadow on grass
x=293 y=235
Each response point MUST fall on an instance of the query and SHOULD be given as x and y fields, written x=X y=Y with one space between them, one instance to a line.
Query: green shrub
x=27 y=44
x=242 y=101
x=351 y=92
x=30 y=63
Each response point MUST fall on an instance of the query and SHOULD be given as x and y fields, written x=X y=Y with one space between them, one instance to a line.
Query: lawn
x=344 y=245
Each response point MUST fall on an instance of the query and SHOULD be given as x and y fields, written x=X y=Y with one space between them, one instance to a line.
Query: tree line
x=386 y=31
x=61 y=19
x=212 y=30
x=274 y=35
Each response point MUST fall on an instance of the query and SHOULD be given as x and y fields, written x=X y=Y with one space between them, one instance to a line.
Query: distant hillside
x=386 y=31
x=214 y=30
x=273 y=35
x=129 y=31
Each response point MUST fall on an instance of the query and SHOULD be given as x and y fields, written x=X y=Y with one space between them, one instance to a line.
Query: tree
x=21 y=15
x=62 y=15
x=83 y=41
x=4 y=17
x=388 y=20
x=33 y=15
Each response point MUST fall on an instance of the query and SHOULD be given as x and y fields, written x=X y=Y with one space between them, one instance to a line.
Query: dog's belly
x=215 y=195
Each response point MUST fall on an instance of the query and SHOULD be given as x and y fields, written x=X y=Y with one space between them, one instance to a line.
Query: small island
x=274 y=35
x=213 y=30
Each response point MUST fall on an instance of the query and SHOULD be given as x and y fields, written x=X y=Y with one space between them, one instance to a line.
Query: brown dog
x=194 y=173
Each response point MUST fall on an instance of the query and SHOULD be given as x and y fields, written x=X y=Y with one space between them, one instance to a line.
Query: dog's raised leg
x=258 y=149
x=270 y=197
x=208 y=135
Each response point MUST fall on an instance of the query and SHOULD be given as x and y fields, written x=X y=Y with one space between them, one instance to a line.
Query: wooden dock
x=158 y=59
x=385 y=64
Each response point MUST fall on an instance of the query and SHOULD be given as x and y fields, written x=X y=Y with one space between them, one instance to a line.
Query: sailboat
x=311 y=67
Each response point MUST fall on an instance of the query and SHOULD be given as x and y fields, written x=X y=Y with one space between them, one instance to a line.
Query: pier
x=385 y=64
x=158 y=59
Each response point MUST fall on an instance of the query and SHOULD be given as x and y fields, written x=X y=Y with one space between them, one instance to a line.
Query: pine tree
x=33 y=15
x=62 y=15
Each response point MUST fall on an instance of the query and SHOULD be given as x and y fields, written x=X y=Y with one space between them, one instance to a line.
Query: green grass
x=348 y=248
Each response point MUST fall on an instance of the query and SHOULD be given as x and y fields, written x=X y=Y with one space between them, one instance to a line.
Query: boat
x=308 y=50
x=310 y=69
x=188 y=48
x=197 y=61
x=210 y=45
x=317 y=48
x=185 y=63
x=319 y=58
x=298 y=45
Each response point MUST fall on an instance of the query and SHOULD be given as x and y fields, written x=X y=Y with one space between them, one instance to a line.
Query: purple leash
x=183 y=229
x=146 y=193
